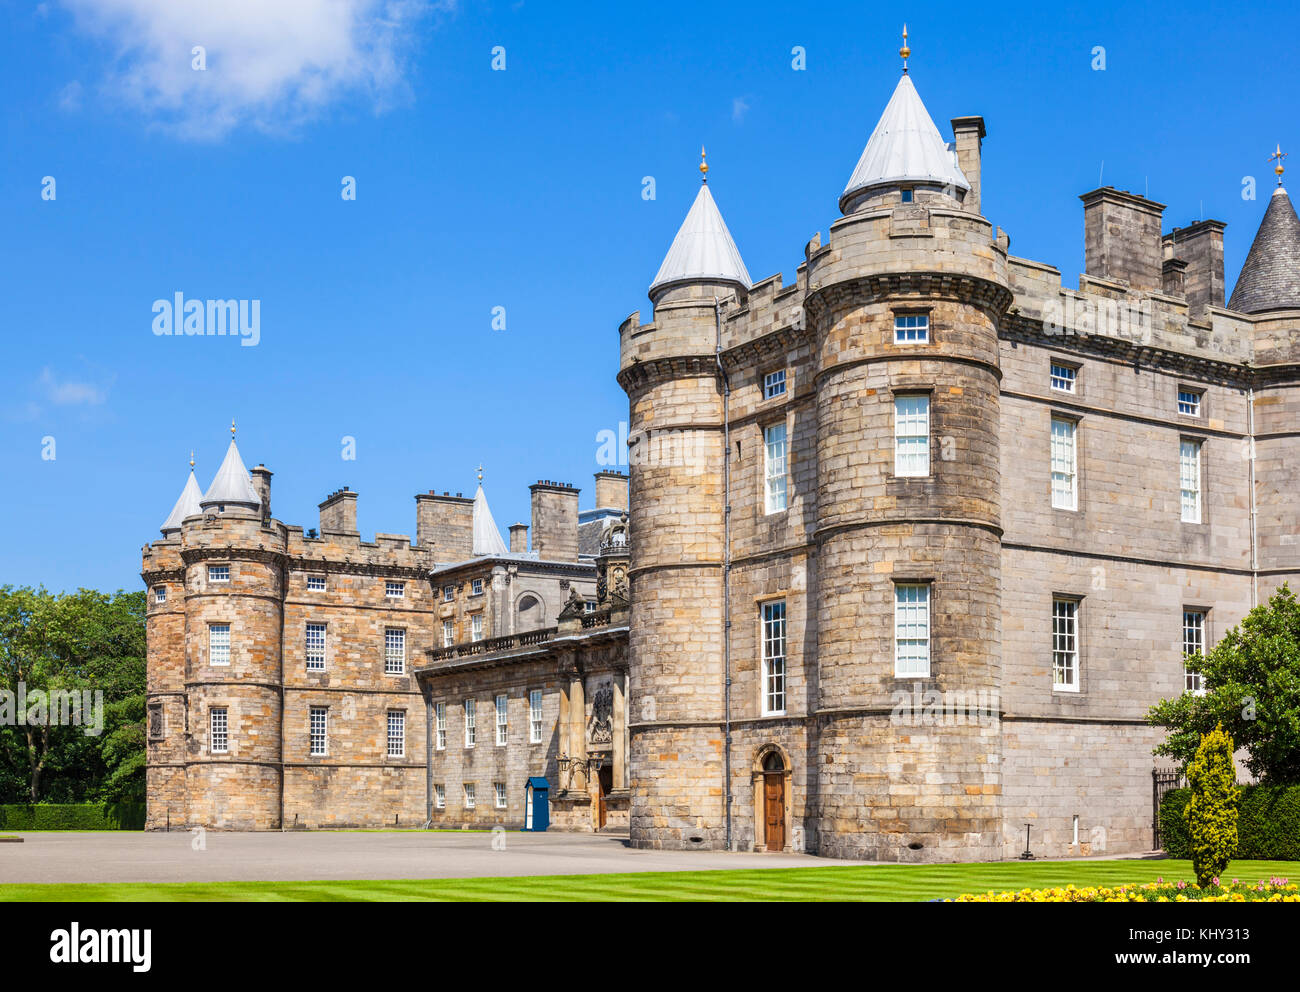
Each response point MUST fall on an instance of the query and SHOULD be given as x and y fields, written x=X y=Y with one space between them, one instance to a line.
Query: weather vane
x=704 y=166
x=480 y=471
x=905 y=51
x=1278 y=155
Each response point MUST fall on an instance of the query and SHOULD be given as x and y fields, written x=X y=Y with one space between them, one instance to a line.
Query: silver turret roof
x=487 y=538
x=905 y=147
x=186 y=506
x=703 y=249
x=232 y=485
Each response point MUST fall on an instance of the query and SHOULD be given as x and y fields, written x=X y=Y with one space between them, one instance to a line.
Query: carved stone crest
x=601 y=726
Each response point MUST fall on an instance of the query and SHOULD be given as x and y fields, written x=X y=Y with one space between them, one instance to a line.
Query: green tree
x=74 y=642
x=1212 y=810
x=1252 y=689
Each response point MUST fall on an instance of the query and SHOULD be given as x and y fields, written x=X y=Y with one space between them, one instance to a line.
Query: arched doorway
x=774 y=802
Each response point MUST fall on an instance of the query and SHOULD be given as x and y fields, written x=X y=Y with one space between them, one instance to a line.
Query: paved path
x=170 y=857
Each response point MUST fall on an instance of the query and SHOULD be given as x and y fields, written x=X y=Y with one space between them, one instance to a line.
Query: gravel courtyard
x=171 y=857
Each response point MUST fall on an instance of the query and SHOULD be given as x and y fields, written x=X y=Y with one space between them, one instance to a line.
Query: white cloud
x=272 y=64
x=739 y=108
x=70 y=97
x=71 y=393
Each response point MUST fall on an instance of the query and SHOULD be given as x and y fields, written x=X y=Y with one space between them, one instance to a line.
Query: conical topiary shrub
x=1212 y=810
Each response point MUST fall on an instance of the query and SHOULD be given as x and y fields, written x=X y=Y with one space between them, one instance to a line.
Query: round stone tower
x=675 y=706
x=165 y=717
x=234 y=577
x=903 y=304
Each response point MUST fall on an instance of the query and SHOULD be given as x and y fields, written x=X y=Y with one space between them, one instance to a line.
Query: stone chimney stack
x=518 y=538
x=968 y=133
x=555 y=520
x=261 y=476
x=1200 y=245
x=611 y=491
x=1122 y=240
x=445 y=524
x=338 y=514
x=1174 y=277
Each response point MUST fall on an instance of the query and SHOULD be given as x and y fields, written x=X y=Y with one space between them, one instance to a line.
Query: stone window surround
x=1055 y=413
x=759 y=603
x=912 y=579
x=897 y=391
x=763 y=374
x=325 y=731
x=1080 y=384
x=1180 y=386
x=1207 y=639
x=1203 y=450
x=225 y=719
x=230 y=643
x=762 y=427
x=388 y=715
x=1080 y=643
x=325 y=640
x=909 y=310
x=405 y=652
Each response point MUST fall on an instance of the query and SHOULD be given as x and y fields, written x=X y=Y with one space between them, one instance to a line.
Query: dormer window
x=907 y=196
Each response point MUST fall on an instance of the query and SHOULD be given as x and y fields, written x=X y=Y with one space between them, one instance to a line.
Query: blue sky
x=478 y=189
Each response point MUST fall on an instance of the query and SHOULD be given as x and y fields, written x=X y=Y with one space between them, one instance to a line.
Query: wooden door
x=774 y=810
x=606 y=779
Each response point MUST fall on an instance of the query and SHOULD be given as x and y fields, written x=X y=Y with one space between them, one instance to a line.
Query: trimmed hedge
x=72 y=816
x=1268 y=827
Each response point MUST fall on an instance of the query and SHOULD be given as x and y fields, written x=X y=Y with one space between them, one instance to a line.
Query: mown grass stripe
x=894 y=883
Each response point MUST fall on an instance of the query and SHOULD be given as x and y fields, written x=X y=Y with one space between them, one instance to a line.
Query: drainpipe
x=428 y=758
x=726 y=569
x=1254 y=510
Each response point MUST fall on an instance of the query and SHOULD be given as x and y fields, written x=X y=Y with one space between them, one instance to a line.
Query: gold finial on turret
x=1279 y=155
x=232 y=428
x=191 y=458
x=905 y=51
x=704 y=166
x=480 y=472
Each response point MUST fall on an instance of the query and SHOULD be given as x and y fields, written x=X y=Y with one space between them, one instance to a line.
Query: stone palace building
x=911 y=547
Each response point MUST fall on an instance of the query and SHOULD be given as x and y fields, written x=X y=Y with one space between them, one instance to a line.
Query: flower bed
x=1265 y=890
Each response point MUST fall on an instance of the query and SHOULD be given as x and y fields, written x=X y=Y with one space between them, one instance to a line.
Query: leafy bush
x=78 y=816
x=1268 y=823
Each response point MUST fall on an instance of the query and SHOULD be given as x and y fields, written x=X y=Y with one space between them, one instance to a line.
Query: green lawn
x=890 y=883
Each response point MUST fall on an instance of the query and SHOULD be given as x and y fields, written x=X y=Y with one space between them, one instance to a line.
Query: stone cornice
x=152 y=577
x=986 y=294
x=639 y=375
x=1029 y=330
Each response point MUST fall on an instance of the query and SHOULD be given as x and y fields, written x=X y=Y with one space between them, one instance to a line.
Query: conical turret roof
x=1270 y=279
x=232 y=485
x=186 y=506
x=905 y=147
x=487 y=538
x=703 y=249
